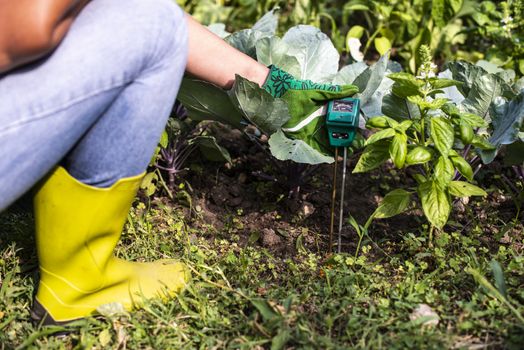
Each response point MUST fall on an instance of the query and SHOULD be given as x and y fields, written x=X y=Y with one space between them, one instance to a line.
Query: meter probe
x=342 y=121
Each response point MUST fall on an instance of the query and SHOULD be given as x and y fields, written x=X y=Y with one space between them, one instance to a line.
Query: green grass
x=248 y=298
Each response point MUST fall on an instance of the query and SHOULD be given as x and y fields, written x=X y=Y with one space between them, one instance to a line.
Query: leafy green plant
x=432 y=138
x=238 y=14
x=493 y=94
x=179 y=140
x=497 y=31
x=306 y=53
x=405 y=25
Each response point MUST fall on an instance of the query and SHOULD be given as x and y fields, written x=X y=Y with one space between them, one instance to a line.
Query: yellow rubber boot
x=77 y=228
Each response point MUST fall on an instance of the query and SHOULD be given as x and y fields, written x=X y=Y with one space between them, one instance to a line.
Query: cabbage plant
x=303 y=51
x=495 y=95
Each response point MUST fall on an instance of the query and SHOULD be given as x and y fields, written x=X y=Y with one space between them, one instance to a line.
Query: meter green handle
x=342 y=121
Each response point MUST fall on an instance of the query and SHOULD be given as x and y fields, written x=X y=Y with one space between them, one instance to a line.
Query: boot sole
x=41 y=316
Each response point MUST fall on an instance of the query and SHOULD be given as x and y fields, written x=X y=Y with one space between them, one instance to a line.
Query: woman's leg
x=97 y=105
x=100 y=100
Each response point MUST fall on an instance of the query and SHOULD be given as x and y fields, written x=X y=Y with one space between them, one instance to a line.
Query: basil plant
x=430 y=137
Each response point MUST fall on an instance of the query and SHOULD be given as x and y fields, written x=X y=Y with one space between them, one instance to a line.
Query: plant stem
x=519 y=170
x=162 y=182
x=510 y=184
x=265 y=151
x=358 y=244
x=371 y=38
x=423 y=127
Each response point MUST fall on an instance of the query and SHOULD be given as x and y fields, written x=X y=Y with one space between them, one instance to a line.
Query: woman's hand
x=303 y=97
x=29 y=29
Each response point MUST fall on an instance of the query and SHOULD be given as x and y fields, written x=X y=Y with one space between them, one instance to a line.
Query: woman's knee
x=163 y=23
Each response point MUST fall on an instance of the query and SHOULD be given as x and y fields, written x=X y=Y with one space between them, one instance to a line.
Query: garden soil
x=250 y=197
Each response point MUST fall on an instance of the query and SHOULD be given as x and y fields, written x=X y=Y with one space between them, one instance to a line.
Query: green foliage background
x=454 y=29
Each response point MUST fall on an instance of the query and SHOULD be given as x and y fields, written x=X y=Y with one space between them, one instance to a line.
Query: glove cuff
x=278 y=82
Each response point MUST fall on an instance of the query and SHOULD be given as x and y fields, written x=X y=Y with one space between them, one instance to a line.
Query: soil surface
x=259 y=199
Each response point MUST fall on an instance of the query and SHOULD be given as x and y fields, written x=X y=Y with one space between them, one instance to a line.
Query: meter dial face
x=343 y=106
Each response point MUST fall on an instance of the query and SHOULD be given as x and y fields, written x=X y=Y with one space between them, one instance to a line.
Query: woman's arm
x=29 y=29
x=213 y=60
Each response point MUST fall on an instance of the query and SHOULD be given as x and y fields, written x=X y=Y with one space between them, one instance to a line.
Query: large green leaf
x=479 y=87
x=316 y=54
x=514 y=154
x=306 y=53
x=373 y=86
x=382 y=44
x=394 y=203
x=205 y=101
x=298 y=151
x=483 y=93
x=452 y=93
x=507 y=123
x=211 y=149
x=462 y=166
x=272 y=50
x=374 y=155
x=398 y=107
x=405 y=84
x=370 y=79
x=246 y=40
x=399 y=149
x=257 y=105
x=380 y=135
x=419 y=155
x=444 y=170
x=466 y=73
x=268 y=23
x=441 y=83
x=349 y=73
x=381 y=122
x=435 y=203
x=442 y=134
x=464 y=189
x=473 y=120
x=442 y=11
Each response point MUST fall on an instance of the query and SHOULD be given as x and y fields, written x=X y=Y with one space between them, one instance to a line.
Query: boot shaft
x=77 y=225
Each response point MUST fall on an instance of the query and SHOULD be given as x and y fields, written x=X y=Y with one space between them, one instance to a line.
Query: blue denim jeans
x=99 y=102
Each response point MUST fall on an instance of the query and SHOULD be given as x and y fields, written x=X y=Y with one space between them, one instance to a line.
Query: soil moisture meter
x=342 y=121
x=342 y=117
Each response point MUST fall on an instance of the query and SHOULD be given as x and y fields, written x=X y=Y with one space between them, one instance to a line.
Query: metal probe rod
x=333 y=199
x=342 y=190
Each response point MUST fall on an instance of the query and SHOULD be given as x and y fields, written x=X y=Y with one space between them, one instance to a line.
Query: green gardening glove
x=304 y=97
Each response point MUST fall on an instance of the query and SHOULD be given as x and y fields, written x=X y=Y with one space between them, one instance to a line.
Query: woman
x=86 y=88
